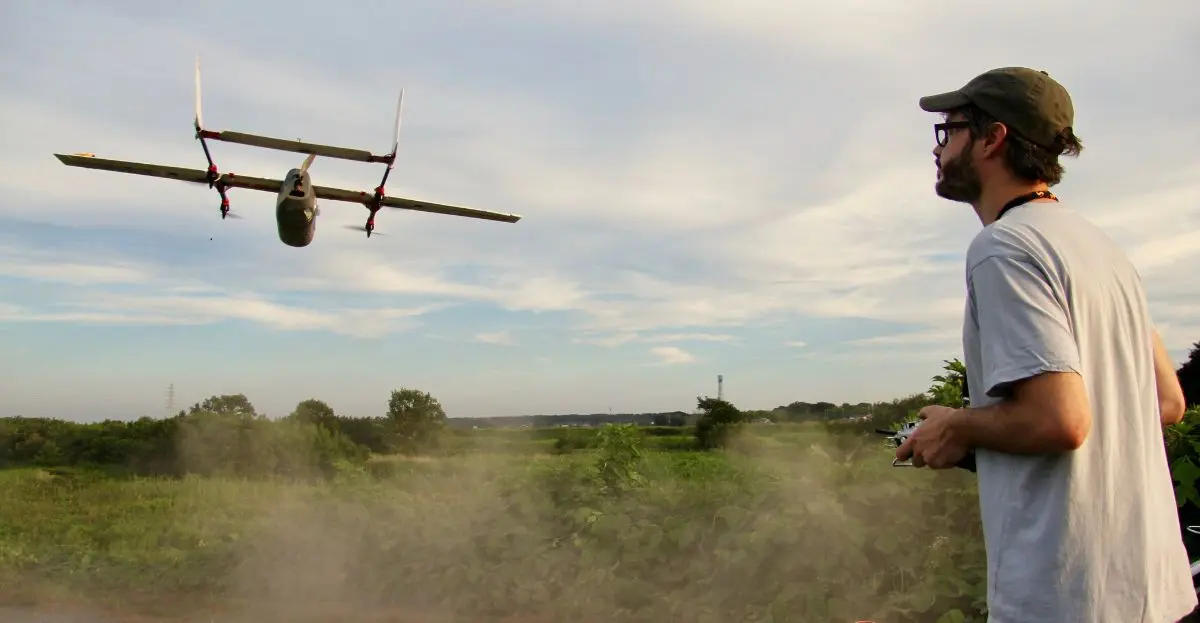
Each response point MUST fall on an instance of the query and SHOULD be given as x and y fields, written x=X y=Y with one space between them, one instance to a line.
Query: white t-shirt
x=1089 y=536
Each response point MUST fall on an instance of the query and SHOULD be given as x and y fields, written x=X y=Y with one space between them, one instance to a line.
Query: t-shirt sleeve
x=1024 y=330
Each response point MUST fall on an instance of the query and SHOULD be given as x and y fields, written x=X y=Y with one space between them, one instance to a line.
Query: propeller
x=227 y=213
x=396 y=128
x=303 y=169
x=363 y=229
x=199 y=118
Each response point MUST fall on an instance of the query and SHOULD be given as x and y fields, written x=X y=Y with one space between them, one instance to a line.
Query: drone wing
x=354 y=196
x=137 y=168
x=197 y=176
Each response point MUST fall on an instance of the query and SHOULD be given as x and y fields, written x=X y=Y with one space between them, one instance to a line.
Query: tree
x=947 y=389
x=228 y=404
x=316 y=412
x=1189 y=377
x=718 y=420
x=417 y=420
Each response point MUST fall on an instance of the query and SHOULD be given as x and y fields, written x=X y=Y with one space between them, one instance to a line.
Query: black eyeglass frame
x=941 y=131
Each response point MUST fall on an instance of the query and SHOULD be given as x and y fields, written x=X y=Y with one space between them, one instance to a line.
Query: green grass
x=798 y=526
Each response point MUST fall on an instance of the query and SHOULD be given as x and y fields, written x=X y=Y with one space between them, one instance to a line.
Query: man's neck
x=995 y=198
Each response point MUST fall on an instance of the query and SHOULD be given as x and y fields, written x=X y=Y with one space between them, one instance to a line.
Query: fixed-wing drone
x=296 y=203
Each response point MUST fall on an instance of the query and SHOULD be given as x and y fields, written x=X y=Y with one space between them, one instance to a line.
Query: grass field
x=791 y=524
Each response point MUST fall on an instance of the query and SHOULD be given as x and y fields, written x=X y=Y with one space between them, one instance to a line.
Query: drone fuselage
x=296 y=209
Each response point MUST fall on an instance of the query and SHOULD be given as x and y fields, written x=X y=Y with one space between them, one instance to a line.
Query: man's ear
x=993 y=140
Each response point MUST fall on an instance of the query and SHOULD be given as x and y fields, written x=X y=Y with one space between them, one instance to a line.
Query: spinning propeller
x=213 y=176
x=369 y=228
x=376 y=201
x=299 y=183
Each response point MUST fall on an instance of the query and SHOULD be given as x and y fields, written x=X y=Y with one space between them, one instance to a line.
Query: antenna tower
x=720 y=387
x=170 y=399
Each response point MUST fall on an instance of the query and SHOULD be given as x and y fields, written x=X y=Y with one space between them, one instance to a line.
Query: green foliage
x=222 y=435
x=811 y=533
x=719 y=420
x=1183 y=452
x=1189 y=377
x=802 y=520
x=947 y=389
x=621 y=449
x=801 y=411
x=417 y=421
x=313 y=411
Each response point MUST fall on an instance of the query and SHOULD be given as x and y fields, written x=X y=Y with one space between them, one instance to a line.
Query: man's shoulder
x=1001 y=240
x=1042 y=235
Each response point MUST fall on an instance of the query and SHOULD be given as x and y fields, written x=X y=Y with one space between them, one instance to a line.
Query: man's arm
x=1047 y=413
x=1030 y=360
x=1171 y=403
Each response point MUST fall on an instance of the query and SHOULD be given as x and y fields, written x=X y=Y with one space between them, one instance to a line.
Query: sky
x=742 y=189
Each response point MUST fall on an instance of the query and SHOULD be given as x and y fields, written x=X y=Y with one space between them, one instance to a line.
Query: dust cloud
x=789 y=523
x=820 y=530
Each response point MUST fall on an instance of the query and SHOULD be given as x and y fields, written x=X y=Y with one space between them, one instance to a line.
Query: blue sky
x=707 y=188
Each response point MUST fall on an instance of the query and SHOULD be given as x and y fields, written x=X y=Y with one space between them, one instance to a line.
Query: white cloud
x=72 y=273
x=175 y=301
x=197 y=310
x=618 y=339
x=499 y=338
x=691 y=337
x=672 y=355
x=665 y=202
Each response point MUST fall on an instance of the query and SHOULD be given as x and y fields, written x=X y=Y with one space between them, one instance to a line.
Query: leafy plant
x=620 y=449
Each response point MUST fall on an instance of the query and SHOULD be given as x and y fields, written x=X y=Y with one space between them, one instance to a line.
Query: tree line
x=226 y=435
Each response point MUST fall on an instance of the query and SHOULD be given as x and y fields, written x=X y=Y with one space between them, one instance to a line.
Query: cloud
x=499 y=338
x=198 y=310
x=162 y=300
x=672 y=355
x=72 y=273
x=618 y=339
x=725 y=176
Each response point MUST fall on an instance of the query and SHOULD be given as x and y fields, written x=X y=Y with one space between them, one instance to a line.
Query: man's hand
x=937 y=443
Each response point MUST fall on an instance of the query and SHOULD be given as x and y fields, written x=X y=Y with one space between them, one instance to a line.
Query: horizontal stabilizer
x=328 y=151
x=338 y=194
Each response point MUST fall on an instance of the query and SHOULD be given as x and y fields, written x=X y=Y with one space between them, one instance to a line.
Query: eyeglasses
x=941 y=131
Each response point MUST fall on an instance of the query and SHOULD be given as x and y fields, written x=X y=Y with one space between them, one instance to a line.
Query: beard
x=960 y=179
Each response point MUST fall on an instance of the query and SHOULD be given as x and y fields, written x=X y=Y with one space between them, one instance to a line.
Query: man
x=1070 y=384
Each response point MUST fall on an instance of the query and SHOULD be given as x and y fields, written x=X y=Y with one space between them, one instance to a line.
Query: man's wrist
x=964 y=425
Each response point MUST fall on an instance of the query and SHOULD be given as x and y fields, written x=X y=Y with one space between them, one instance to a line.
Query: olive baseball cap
x=1028 y=101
